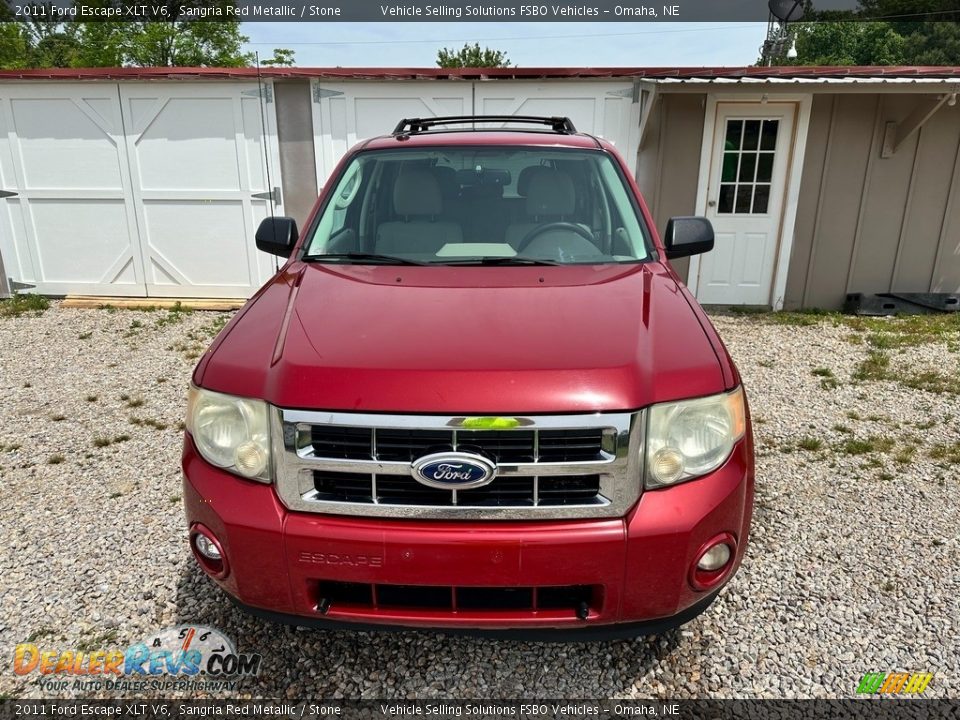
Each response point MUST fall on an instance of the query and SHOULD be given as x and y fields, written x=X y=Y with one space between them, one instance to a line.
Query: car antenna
x=266 y=150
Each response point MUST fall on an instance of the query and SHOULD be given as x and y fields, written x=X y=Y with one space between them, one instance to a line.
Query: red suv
x=476 y=396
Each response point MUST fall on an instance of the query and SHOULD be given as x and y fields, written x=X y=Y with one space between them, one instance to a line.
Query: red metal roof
x=652 y=73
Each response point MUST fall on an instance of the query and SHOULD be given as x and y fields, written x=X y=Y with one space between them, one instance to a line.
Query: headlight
x=691 y=438
x=231 y=432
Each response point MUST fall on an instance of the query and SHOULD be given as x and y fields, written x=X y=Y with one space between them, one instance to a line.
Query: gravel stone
x=853 y=564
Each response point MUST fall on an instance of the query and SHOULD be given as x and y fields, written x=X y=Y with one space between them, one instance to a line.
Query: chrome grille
x=501 y=446
x=547 y=467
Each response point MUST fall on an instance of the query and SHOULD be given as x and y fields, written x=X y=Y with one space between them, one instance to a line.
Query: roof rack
x=412 y=126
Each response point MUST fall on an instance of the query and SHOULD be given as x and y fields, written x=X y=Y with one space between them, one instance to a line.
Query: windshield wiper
x=363 y=257
x=508 y=260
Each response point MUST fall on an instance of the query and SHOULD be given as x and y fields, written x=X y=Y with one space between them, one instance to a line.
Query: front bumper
x=638 y=567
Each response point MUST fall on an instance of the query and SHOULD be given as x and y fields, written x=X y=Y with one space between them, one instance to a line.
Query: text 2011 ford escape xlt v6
x=476 y=396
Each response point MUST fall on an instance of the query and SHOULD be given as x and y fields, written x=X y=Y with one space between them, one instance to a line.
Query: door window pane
x=768 y=140
x=729 y=173
x=748 y=163
x=726 y=199
x=734 y=133
x=751 y=134
x=765 y=167
x=761 y=197
x=744 y=196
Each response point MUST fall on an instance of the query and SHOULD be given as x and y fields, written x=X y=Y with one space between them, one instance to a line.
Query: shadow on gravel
x=301 y=662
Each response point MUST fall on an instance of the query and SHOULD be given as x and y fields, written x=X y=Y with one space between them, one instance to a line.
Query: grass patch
x=85 y=336
x=906 y=330
x=102 y=442
x=56 y=459
x=98 y=642
x=91 y=398
x=853 y=415
x=148 y=422
x=905 y=455
x=23 y=304
x=10 y=447
x=949 y=453
x=828 y=381
x=173 y=315
x=933 y=382
x=842 y=429
x=863 y=446
x=58 y=417
x=41 y=633
x=135 y=402
x=810 y=444
x=875 y=367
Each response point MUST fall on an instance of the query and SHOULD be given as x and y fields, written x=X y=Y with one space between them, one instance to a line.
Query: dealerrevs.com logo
x=186 y=657
x=894 y=683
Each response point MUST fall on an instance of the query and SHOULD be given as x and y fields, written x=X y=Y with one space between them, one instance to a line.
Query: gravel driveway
x=854 y=565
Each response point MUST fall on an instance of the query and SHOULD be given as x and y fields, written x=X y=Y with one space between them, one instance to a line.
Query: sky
x=567 y=44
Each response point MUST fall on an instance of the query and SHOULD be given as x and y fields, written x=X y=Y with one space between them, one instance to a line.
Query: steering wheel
x=541 y=229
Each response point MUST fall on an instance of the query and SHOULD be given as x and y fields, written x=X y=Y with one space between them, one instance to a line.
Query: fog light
x=667 y=466
x=207 y=548
x=209 y=552
x=714 y=558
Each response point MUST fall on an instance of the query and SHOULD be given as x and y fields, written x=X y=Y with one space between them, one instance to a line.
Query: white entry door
x=748 y=172
x=67 y=223
x=200 y=155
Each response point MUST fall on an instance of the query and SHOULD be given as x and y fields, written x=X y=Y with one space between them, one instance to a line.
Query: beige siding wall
x=669 y=163
x=871 y=224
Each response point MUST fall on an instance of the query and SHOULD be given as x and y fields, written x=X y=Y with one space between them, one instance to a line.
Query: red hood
x=466 y=340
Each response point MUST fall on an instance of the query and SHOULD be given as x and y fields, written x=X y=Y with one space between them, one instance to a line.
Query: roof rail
x=412 y=126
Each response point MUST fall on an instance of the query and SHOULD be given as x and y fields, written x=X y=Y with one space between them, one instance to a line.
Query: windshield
x=480 y=205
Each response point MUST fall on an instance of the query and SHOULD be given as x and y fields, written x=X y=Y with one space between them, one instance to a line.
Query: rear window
x=473 y=204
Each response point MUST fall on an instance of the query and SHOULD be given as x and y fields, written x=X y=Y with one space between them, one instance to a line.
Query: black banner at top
x=420 y=11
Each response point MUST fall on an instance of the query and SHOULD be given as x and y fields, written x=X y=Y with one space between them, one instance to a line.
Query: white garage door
x=137 y=189
x=68 y=225
x=346 y=112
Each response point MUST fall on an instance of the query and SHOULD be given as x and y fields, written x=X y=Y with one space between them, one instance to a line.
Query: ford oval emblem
x=453 y=470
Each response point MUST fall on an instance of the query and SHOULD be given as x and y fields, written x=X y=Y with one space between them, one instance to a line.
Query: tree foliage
x=471 y=56
x=167 y=38
x=881 y=32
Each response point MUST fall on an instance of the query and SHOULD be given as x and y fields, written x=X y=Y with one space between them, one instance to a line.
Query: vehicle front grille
x=506 y=491
x=333 y=595
x=546 y=466
x=501 y=446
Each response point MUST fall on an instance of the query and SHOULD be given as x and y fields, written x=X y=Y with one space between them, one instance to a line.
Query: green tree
x=282 y=57
x=471 y=56
x=847 y=43
x=166 y=38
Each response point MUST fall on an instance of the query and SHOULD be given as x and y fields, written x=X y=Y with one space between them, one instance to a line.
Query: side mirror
x=277 y=236
x=688 y=236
